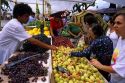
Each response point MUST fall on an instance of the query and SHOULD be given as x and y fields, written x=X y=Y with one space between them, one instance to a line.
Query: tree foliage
x=82 y=6
x=5 y=5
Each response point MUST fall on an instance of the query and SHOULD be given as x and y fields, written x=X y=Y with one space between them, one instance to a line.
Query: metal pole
x=43 y=7
x=43 y=13
x=0 y=16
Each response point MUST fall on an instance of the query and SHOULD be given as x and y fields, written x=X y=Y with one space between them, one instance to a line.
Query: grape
x=43 y=79
x=20 y=73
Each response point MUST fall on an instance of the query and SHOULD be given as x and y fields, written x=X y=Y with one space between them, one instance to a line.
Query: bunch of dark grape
x=20 y=56
x=29 y=47
x=21 y=72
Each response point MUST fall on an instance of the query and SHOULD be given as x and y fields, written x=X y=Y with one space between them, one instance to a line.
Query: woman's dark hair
x=97 y=29
x=111 y=20
x=21 y=9
x=90 y=19
x=119 y=14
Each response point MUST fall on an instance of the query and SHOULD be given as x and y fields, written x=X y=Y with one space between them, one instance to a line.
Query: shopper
x=111 y=32
x=31 y=18
x=117 y=67
x=98 y=18
x=89 y=19
x=13 y=33
x=100 y=47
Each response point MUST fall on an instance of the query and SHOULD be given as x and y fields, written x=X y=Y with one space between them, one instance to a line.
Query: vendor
x=31 y=18
x=13 y=33
x=117 y=67
x=56 y=24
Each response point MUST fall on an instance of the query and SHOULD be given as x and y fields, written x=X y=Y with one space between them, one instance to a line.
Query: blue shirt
x=102 y=48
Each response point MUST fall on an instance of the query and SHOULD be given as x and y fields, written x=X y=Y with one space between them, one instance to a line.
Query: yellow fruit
x=35 y=29
x=46 y=28
x=39 y=29
x=30 y=32
x=47 y=33
x=39 y=32
x=35 y=33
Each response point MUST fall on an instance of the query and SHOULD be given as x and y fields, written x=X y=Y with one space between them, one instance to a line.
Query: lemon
x=35 y=34
x=46 y=28
x=39 y=29
x=47 y=33
x=39 y=32
x=30 y=32
x=35 y=29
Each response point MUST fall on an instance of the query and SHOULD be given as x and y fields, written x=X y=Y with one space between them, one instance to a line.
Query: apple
x=92 y=78
x=82 y=78
x=70 y=81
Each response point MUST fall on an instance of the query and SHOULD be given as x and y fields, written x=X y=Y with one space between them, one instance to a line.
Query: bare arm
x=51 y=32
x=98 y=65
x=41 y=44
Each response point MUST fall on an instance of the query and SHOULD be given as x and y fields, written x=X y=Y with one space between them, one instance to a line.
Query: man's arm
x=41 y=44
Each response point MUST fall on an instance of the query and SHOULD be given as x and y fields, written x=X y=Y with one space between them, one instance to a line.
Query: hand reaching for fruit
x=54 y=47
x=96 y=63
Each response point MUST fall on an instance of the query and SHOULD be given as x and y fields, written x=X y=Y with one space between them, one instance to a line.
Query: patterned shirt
x=102 y=48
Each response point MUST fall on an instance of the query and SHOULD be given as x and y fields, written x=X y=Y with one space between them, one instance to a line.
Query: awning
x=108 y=10
x=119 y=2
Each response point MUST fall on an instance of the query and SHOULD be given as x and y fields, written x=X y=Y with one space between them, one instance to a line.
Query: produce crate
x=74 y=69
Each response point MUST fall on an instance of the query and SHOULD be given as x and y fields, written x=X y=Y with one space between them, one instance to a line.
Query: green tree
x=5 y=5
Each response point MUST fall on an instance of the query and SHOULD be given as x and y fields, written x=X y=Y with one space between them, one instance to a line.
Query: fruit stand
x=50 y=67
x=68 y=69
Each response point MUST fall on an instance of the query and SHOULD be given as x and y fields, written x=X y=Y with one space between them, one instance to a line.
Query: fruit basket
x=38 y=68
x=68 y=69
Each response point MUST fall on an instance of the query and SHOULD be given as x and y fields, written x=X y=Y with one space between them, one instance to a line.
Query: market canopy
x=108 y=10
x=56 y=5
x=119 y=2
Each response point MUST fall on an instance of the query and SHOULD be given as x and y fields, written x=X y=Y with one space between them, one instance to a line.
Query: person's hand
x=96 y=63
x=53 y=47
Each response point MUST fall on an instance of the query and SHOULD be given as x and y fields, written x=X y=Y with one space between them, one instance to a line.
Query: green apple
x=92 y=78
x=70 y=81
x=82 y=78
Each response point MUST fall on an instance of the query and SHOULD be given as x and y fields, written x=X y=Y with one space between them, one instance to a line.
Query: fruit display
x=24 y=71
x=29 y=47
x=68 y=69
x=34 y=31
x=62 y=41
x=46 y=31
